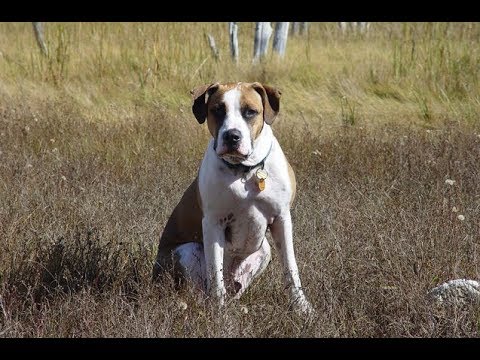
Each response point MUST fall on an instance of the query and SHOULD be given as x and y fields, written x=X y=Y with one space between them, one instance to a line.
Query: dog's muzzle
x=232 y=139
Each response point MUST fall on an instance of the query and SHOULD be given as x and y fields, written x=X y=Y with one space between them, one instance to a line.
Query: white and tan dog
x=216 y=234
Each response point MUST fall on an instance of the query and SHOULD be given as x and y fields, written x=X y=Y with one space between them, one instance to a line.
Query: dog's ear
x=200 y=96
x=270 y=99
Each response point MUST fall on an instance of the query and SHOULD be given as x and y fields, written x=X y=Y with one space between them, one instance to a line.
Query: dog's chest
x=244 y=212
x=235 y=203
x=226 y=192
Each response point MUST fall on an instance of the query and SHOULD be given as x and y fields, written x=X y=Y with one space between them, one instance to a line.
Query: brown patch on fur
x=270 y=99
x=200 y=96
x=214 y=122
x=293 y=182
x=262 y=98
x=251 y=99
x=183 y=226
x=237 y=286
x=228 y=234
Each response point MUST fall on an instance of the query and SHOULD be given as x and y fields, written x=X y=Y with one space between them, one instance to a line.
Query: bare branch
x=213 y=46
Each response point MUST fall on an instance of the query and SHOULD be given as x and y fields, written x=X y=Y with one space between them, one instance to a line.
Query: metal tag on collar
x=260 y=176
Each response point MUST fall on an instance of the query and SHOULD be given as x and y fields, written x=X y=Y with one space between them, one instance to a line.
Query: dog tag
x=260 y=176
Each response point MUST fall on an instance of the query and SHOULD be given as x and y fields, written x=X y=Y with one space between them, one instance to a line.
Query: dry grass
x=96 y=150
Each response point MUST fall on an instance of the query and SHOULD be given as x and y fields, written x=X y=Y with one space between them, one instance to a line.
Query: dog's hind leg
x=245 y=271
x=191 y=261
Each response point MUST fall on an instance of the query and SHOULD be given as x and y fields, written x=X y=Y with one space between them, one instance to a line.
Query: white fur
x=223 y=193
x=261 y=145
x=192 y=259
x=234 y=120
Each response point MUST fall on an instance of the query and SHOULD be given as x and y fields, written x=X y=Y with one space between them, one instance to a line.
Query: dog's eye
x=218 y=111
x=250 y=113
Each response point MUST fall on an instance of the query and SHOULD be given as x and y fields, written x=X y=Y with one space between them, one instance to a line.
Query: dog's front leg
x=281 y=230
x=213 y=242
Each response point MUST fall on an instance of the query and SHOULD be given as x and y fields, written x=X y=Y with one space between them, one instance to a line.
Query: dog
x=215 y=236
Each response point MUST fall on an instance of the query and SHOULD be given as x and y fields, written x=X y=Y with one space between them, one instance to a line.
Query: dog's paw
x=218 y=297
x=303 y=307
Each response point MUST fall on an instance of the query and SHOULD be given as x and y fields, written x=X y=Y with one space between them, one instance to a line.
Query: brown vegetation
x=92 y=163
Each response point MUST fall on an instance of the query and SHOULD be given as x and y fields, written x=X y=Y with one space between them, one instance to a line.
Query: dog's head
x=235 y=114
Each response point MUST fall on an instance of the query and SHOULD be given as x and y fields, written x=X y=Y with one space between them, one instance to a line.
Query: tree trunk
x=263 y=31
x=356 y=27
x=38 y=29
x=295 y=28
x=303 y=28
x=233 y=31
x=280 y=38
x=364 y=27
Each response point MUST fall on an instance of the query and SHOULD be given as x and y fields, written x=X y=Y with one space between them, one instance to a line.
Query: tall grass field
x=98 y=143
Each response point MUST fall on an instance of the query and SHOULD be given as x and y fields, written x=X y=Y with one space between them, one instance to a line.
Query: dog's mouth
x=233 y=157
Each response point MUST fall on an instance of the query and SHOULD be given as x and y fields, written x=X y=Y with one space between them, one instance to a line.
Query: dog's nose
x=232 y=138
